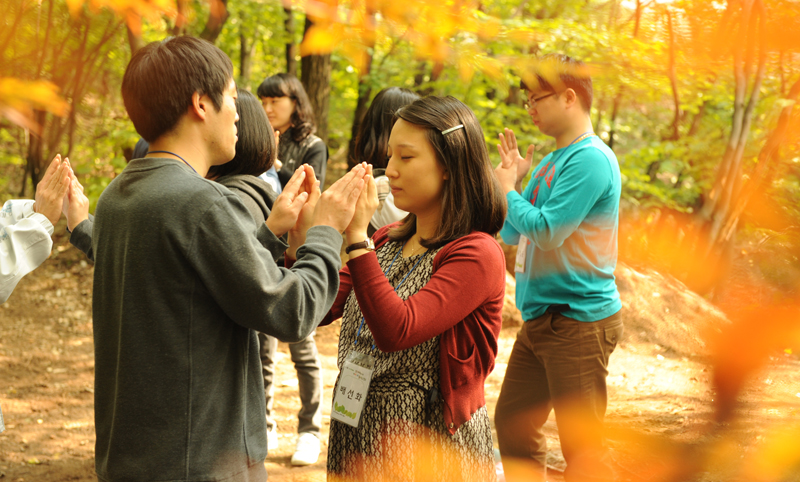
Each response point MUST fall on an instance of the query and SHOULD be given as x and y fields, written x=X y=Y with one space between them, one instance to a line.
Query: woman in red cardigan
x=421 y=309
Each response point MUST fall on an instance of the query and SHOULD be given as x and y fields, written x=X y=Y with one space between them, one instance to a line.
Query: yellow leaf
x=320 y=41
x=356 y=54
x=23 y=95
x=489 y=29
x=465 y=69
x=522 y=36
x=776 y=458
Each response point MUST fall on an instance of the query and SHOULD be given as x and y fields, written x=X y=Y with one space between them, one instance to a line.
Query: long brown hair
x=472 y=199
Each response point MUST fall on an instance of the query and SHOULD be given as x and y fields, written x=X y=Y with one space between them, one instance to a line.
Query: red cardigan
x=463 y=302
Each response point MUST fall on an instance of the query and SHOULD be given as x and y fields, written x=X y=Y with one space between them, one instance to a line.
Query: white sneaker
x=307 y=449
x=272 y=439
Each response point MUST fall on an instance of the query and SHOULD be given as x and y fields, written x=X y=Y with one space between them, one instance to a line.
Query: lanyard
x=386 y=273
x=179 y=157
x=580 y=138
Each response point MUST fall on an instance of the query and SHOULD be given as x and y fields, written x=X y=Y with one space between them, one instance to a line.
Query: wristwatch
x=367 y=244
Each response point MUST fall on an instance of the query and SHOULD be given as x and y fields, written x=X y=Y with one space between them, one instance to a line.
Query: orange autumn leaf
x=320 y=40
x=776 y=458
x=132 y=11
x=18 y=98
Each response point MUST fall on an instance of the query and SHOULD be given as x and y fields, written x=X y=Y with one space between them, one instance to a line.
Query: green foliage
x=630 y=65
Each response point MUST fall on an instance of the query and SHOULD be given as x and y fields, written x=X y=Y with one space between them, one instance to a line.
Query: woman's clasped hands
x=347 y=205
x=365 y=207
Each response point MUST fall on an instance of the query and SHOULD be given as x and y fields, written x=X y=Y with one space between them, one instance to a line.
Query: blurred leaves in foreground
x=18 y=98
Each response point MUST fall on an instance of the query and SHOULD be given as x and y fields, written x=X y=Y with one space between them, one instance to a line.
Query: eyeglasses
x=529 y=104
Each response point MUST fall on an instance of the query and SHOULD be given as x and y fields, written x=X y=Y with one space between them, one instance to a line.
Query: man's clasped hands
x=299 y=207
x=59 y=192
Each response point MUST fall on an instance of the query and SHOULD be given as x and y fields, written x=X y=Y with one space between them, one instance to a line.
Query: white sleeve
x=24 y=243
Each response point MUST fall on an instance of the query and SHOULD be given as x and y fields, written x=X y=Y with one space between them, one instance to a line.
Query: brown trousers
x=560 y=364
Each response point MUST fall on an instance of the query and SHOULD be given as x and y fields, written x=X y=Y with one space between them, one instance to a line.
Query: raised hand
x=513 y=167
x=51 y=190
x=509 y=154
x=297 y=234
x=78 y=205
x=365 y=208
x=338 y=203
x=287 y=206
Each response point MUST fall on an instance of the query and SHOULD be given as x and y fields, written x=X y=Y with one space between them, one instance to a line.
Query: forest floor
x=660 y=399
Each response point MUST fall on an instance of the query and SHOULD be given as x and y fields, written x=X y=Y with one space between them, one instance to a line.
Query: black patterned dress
x=401 y=435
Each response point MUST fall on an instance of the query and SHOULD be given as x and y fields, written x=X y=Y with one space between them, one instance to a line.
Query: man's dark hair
x=472 y=199
x=373 y=131
x=255 y=148
x=162 y=77
x=287 y=85
x=556 y=72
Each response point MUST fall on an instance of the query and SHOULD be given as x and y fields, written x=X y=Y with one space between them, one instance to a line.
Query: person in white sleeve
x=26 y=227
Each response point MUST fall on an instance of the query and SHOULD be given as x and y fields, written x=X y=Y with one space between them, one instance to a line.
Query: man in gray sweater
x=183 y=277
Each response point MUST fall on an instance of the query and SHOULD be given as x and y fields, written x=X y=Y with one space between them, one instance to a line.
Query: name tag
x=350 y=392
x=522 y=249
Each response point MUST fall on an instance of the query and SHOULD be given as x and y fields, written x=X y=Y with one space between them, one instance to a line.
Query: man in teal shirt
x=565 y=225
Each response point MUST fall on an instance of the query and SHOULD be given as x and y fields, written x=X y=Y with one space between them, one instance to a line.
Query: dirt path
x=658 y=401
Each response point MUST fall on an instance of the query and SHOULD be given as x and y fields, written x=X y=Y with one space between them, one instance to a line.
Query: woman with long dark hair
x=289 y=111
x=421 y=309
x=370 y=147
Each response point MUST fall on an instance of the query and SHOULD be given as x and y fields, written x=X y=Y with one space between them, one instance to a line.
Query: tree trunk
x=291 y=47
x=419 y=78
x=316 y=78
x=181 y=21
x=673 y=80
x=245 y=60
x=717 y=209
x=33 y=168
x=718 y=217
x=217 y=17
x=612 y=128
x=135 y=42
x=612 y=123
x=697 y=118
x=767 y=158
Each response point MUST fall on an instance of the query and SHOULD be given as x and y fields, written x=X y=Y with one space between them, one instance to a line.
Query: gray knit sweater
x=183 y=276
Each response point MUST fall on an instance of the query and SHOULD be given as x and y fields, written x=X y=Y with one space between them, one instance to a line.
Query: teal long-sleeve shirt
x=568 y=218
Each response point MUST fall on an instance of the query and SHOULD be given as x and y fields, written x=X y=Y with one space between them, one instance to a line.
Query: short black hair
x=287 y=85
x=372 y=139
x=161 y=78
x=555 y=72
x=255 y=148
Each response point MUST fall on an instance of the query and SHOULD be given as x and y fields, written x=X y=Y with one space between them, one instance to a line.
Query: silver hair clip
x=455 y=128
